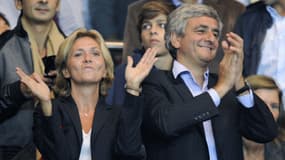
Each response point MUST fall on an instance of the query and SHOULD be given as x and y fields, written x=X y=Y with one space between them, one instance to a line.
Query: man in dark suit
x=192 y=114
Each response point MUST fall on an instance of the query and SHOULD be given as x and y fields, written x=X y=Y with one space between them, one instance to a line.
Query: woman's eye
x=95 y=53
x=162 y=25
x=146 y=26
x=77 y=53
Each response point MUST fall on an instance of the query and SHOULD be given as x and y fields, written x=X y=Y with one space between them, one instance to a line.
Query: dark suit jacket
x=114 y=133
x=172 y=123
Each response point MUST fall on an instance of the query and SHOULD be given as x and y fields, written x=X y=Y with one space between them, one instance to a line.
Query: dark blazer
x=114 y=133
x=252 y=26
x=172 y=122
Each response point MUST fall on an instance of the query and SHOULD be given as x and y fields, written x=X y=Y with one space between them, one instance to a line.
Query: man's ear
x=175 y=40
x=66 y=73
x=18 y=4
x=58 y=6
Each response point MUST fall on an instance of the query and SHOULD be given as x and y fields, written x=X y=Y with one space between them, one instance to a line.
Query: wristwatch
x=246 y=87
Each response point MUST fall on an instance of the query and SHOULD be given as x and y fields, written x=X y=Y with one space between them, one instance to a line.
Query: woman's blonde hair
x=62 y=84
x=261 y=82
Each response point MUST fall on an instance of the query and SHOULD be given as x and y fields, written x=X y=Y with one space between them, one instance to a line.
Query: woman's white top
x=85 y=153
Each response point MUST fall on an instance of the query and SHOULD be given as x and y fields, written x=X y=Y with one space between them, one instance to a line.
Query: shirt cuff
x=246 y=100
x=215 y=97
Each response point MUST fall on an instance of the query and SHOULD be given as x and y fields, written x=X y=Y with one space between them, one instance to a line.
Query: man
x=228 y=10
x=36 y=37
x=192 y=114
x=262 y=28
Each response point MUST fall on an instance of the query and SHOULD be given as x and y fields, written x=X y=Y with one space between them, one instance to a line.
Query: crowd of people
x=200 y=79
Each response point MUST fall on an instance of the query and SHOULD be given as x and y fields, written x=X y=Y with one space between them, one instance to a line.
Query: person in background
x=266 y=88
x=190 y=113
x=229 y=10
x=78 y=124
x=151 y=26
x=262 y=28
x=4 y=24
x=34 y=41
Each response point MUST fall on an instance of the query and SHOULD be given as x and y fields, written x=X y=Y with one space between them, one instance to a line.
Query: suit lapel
x=101 y=117
x=74 y=116
x=184 y=94
x=180 y=87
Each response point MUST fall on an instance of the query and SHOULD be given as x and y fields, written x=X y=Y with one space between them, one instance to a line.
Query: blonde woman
x=266 y=88
x=78 y=124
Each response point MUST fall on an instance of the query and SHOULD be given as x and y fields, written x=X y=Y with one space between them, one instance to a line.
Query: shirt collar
x=179 y=68
x=273 y=13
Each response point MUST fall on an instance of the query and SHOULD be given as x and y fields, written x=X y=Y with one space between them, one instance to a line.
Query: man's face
x=152 y=33
x=199 y=44
x=38 y=11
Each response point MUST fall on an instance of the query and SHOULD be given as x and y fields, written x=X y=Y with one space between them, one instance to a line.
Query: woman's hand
x=37 y=87
x=135 y=75
x=35 y=84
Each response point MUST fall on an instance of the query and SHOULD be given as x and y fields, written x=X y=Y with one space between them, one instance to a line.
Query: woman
x=78 y=124
x=151 y=26
x=266 y=88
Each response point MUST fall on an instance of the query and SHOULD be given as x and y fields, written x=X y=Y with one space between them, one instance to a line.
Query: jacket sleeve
x=49 y=136
x=129 y=144
x=43 y=135
x=257 y=123
x=11 y=98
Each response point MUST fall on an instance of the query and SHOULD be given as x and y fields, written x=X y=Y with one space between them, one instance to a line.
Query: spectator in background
x=35 y=39
x=192 y=114
x=4 y=24
x=229 y=10
x=262 y=28
x=151 y=26
x=266 y=88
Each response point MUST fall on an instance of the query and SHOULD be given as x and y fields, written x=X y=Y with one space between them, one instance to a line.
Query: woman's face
x=152 y=34
x=271 y=98
x=85 y=64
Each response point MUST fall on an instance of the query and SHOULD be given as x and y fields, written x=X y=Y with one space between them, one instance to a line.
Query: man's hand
x=230 y=71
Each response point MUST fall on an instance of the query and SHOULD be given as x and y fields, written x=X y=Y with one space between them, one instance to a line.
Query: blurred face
x=199 y=44
x=38 y=11
x=271 y=98
x=152 y=34
x=3 y=26
x=85 y=64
